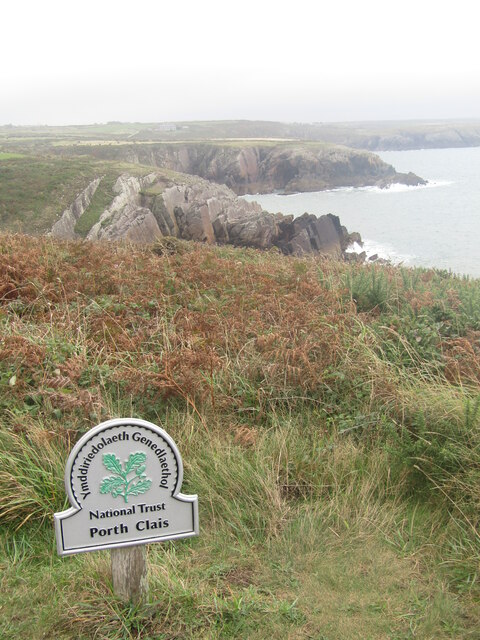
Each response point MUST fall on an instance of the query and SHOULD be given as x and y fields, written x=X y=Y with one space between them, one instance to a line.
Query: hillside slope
x=327 y=415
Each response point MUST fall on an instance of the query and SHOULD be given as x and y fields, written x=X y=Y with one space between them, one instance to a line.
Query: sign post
x=123 y=481
x=129 y=573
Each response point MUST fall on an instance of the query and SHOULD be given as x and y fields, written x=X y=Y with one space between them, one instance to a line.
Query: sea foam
x=395 y=188
x=381 y=250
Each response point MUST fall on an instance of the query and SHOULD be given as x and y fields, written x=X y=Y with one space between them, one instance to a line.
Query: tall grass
x=318 y=407
x=31 y=470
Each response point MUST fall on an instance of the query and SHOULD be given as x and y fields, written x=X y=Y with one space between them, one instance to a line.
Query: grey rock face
x=211 y=213
x=199 y=210
x=309 y=234
x=65 y=226
x=126 y=217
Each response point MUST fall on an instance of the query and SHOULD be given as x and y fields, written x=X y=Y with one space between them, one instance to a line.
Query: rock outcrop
x=283 y=168
x=151 y=207
x=207 y=212
x=311 y=234
x=126 y=217
x=65 y=226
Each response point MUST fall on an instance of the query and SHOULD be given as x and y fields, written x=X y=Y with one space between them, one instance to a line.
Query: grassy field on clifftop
x=328 y=417
x=36 y=189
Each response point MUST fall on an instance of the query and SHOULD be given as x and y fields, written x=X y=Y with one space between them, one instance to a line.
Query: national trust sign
x=123 y=480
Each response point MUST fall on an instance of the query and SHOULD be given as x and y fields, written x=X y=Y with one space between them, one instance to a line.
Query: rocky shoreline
x=201 y=202
x=148 y=208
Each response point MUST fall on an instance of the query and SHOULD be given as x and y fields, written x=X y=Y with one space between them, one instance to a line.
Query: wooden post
x=129 y=573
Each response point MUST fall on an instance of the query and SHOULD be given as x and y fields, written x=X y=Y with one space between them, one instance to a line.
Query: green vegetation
x=35 y=190
x=328 y=417
x=102 y=197
x=10 y=156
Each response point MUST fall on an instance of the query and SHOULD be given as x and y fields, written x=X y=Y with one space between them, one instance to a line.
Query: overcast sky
x=98 y=60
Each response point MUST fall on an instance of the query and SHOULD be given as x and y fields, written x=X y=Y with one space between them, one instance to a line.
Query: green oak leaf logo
x=119 y=484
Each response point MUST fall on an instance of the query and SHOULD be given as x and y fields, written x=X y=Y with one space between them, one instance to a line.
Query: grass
x=36 y=189
x=4 y=155
x=327 y=415
x=53 y=184
x=322 y=572
x=31 y=491
x=102 y=197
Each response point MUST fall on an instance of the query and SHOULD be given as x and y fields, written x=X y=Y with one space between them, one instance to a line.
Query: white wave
x=395 y=188
x=381 y=250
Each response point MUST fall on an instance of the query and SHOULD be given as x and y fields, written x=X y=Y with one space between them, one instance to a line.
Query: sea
x=437 y=225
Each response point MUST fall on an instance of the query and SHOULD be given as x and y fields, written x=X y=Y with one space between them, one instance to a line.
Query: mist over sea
x=437 y=225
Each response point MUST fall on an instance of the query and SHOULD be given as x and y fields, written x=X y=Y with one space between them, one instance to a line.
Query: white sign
x=123 y=480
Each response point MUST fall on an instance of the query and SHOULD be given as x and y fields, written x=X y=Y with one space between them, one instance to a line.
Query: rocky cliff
x=126 y=217
x=154 y=206
x=264 y=168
